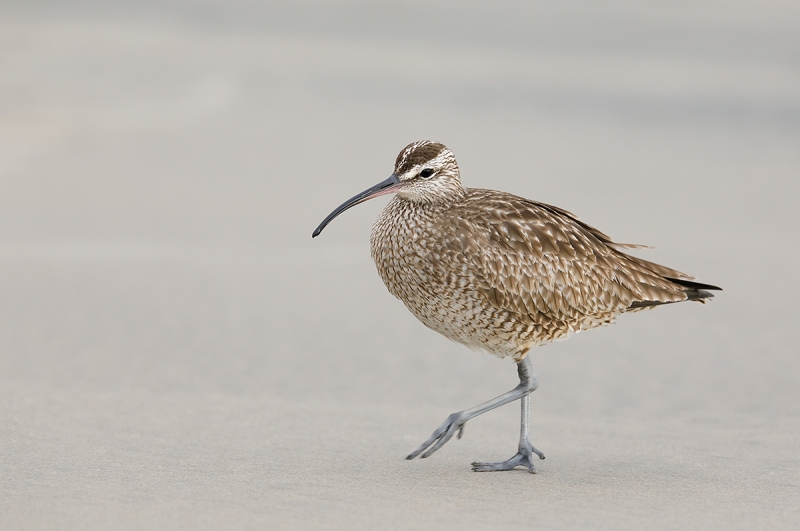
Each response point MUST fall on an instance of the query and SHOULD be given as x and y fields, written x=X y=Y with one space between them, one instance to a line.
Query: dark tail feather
x=693 y=285
x=696 y=292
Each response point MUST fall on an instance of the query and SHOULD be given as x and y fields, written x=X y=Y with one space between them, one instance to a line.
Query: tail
x=695 y=291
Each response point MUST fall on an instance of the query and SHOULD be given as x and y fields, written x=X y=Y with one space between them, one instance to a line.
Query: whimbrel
x=502 y=274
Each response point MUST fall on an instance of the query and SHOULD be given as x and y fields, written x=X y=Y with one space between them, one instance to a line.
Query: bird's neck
x=444 y=195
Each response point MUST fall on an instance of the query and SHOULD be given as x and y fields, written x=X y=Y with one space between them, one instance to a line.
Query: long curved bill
x=390 y=185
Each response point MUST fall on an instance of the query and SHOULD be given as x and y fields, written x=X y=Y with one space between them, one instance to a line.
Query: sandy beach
x=176 y=352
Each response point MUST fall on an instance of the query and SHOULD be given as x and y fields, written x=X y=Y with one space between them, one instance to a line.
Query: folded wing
x=543 y=263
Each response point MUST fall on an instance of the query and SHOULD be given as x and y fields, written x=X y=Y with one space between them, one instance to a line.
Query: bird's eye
x=426 y=173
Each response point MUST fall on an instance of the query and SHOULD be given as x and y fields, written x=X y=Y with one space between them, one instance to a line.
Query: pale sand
x=177 y=353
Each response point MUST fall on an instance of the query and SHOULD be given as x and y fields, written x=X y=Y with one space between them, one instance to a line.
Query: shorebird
x=500 y=273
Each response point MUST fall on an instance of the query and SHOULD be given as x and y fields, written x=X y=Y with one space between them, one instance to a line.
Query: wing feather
x=541 y=261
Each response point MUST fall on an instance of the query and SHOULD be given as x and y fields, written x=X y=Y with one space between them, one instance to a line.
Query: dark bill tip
x=392 y=184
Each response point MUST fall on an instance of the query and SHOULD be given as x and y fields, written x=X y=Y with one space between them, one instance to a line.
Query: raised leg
x=455 y=422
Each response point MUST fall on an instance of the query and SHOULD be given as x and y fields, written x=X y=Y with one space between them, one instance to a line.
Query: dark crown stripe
x=417 y=153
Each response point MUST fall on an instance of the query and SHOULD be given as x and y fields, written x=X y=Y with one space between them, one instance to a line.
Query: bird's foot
x=454 y=424
x=523 y=458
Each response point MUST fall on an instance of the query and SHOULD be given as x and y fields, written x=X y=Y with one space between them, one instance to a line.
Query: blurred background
x=176 y=352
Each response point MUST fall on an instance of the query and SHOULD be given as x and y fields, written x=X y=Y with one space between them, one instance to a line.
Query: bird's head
x=424 y=172
x=428 y=172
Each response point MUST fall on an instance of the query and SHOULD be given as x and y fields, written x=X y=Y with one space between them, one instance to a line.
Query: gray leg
x=524 y=456
x=455 y=422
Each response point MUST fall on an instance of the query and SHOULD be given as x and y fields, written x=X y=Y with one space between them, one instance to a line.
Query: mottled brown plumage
x=502 y=273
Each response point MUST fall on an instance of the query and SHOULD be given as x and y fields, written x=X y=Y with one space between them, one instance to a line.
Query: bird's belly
x=447 y=301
